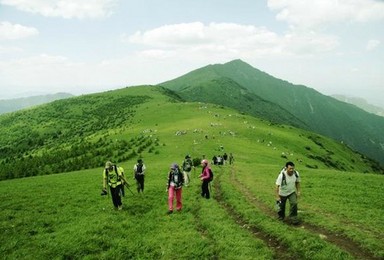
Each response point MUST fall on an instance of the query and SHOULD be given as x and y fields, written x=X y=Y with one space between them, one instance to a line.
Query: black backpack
x=177 y=178
x=139 y=168
x=210 y=175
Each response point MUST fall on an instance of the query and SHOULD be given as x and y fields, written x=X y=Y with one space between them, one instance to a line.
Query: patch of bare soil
x=337 y=239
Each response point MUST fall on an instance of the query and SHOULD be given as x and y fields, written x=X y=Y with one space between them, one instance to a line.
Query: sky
x=88 y=46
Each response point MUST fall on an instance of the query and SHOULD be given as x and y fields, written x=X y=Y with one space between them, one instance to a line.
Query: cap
x=108 y=164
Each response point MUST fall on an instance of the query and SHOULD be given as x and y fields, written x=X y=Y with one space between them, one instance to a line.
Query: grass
x=63 y=216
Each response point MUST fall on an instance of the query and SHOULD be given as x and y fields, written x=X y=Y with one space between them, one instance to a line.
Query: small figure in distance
x=175 y=187
x=138 y=174
x=187 y=168
x=231 y=159
x=288 y=188
x=225 y=158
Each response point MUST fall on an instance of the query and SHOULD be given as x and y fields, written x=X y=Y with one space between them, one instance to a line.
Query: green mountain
x=238 y=85
x=83 y=132
x=10 y=105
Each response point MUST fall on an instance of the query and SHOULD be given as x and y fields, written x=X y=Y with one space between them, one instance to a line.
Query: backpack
x=210 y=175
x=177 y=178
x=139 y=168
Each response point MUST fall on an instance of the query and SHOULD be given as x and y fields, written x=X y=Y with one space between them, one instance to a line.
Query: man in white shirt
x=288 y=188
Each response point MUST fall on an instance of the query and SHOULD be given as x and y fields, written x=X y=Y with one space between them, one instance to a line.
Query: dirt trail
x=339 y=240
x=280 y=250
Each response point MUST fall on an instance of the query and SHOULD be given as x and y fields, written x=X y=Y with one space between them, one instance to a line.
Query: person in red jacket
x=205 y=177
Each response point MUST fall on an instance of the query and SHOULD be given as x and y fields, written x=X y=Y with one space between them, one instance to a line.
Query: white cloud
x=42 y=69
x=372 y=44
x=227 y=40
x=10 y=31
x=314 y=13
x=65 y=8
x=7 y=49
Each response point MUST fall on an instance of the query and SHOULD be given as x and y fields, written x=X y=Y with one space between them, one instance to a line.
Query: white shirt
x=289 y=186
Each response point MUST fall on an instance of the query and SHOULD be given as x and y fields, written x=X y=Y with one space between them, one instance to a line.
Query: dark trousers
x=116 y=196
x=140 y=182
x=292 y=205
x=205 y=189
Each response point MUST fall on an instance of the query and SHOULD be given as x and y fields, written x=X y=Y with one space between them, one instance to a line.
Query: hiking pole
x=126 y=184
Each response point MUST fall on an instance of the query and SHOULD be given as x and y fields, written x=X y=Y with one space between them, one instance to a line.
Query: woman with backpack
x=206 y=177
x=174 y=187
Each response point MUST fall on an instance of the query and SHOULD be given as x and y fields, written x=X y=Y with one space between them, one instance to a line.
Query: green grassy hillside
x=63 y=216
x=291 y=104
x=79 y=133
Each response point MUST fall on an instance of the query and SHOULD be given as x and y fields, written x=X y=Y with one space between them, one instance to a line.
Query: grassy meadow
x=63 y=215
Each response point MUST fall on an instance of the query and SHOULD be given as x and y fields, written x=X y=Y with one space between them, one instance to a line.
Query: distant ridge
x=361 y=103
x=238 y=85
x=11 y=105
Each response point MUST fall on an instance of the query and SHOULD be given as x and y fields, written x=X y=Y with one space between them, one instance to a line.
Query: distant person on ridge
x=225 y=158
x=288 y=188
x=231 y=159
x=175 y=187
x=205 y=177
x=113 y=175
x=187 y=168
x=139 y=173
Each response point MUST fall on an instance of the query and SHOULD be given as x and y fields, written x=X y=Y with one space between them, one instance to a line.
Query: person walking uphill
x=187 y=168
x=114 y=177
x=175 y=187
x=138 y=174
x=288 y=188
x=205 y=177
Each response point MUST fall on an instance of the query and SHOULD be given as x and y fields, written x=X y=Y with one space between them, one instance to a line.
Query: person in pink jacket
x=205 y=177
x=175 y=187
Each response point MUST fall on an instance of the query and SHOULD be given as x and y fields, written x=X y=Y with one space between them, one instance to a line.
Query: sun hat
x=108 y=164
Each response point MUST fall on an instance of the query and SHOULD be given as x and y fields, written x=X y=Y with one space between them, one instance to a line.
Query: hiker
x=187 y=168
x=138 y=174
x=205 y=177
x=214 y=160
x=175 y=187
x=225 y=158
x=219 y=160
x=113 y=175
x=288 y=188
x=231 y=159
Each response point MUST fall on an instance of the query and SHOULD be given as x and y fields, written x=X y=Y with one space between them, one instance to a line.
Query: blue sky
x=86 y=46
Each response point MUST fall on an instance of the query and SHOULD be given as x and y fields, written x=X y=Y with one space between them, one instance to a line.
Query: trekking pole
x=126 y=184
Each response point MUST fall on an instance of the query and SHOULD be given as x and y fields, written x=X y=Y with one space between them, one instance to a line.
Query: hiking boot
x=120 y=207
x=170 y=212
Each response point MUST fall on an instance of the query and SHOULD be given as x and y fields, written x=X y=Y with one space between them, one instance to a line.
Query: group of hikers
x=223 y=159
x=287 y=184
